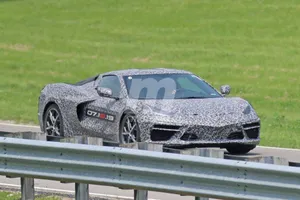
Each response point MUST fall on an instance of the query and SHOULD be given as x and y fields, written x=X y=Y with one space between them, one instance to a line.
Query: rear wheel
x=240 y=149
x=129 y=129
x=53 y=123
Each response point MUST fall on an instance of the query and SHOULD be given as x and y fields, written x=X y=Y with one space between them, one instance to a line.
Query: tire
x=53 y=131
x=240 y=149
x=125 y=135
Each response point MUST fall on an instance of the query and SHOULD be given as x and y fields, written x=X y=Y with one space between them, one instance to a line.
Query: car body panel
x=223 y=120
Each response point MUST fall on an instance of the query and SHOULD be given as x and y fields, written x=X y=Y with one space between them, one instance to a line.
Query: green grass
x=253 y=45
x=17 y=196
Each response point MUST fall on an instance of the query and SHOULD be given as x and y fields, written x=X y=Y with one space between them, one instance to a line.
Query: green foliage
x=252 y=45
x=17 y=196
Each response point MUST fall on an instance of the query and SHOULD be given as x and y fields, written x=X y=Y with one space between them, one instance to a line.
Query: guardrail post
x=143 y=194
x=82 y=189
x=27 y=184
x=27 y=188
x=204 y=152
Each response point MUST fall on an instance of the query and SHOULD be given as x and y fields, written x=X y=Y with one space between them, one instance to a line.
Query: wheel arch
x=125 y=113
x=47 y=106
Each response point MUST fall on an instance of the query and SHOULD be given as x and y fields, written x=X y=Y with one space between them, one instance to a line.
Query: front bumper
x=173 y=135
x=205 y=143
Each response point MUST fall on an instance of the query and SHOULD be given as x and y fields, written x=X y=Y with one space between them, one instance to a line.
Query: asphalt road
x=102 y=191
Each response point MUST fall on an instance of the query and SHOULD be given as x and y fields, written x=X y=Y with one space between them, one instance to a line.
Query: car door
x=102 y=115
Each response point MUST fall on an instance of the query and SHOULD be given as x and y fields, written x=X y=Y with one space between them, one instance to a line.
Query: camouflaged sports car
x=166 y=106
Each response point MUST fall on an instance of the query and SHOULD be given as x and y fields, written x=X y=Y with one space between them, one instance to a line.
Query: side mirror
x=104 y=92
x=225 y=89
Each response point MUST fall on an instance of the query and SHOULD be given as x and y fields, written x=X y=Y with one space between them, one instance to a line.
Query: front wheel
x=240 y=148
x=129 y=129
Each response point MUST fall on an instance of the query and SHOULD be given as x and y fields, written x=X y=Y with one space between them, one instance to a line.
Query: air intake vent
x=236 y=136
x=252 y=133
x=161 y=135
x=163 y=126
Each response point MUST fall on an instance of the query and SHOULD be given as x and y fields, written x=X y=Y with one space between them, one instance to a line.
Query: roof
x=128 y=72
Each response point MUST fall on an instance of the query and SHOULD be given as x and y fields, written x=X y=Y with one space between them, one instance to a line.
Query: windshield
x=168 y=86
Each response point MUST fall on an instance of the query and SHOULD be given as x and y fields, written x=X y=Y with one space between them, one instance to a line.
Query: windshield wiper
x=191 y=97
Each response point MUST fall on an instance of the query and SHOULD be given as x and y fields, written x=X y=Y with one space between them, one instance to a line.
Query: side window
x=112 y=82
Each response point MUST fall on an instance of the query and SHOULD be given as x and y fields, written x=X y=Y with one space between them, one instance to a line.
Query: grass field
x=253 y=45
x=17 y=196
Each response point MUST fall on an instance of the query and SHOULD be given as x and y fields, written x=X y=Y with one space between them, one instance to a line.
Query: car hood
x=210 y=111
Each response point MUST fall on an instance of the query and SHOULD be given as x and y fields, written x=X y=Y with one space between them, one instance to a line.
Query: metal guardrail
x=148 y=170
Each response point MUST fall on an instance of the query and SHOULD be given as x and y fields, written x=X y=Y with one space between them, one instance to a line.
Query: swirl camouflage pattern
x=167 y=106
